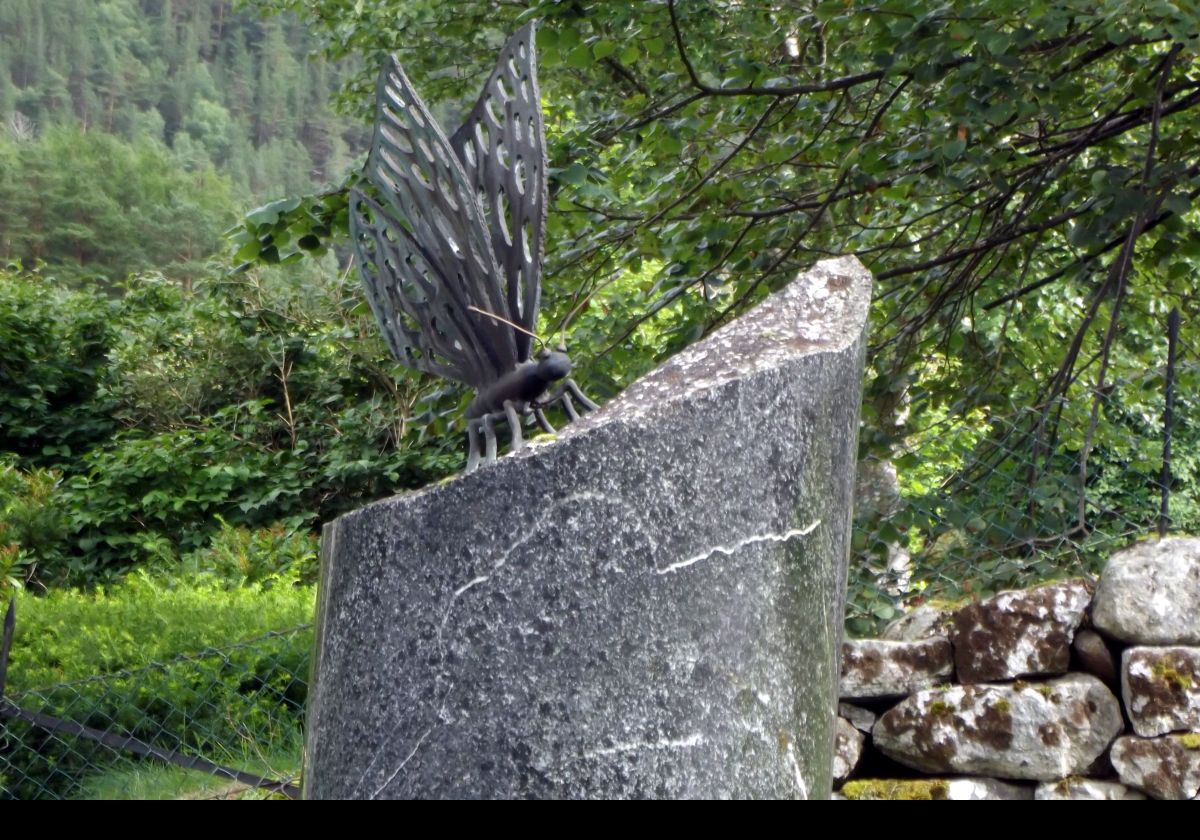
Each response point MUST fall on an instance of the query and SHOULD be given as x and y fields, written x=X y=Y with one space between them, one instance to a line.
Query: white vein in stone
x=530 y=533
x=797 y=773
x=407 y=759
x=473 y=582
x=729 y=551
x=469 y=584
x=693 y=740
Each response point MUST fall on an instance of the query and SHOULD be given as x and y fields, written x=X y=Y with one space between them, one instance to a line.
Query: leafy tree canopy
x=1020 y=176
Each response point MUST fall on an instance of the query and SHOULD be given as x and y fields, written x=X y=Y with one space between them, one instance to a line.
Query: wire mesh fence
x=976 y=502
x=982 y=502
x=218 y=723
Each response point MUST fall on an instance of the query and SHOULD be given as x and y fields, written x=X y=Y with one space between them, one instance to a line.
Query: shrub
x=32 y=526
x=265 y=557
x=167 y=411
x=182 y=664
x=53 y=366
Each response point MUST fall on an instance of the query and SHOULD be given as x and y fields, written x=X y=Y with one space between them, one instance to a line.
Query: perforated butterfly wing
x=502 y=147
x=423 y=246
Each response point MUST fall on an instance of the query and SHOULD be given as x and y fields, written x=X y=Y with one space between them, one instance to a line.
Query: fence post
x=1164 y=518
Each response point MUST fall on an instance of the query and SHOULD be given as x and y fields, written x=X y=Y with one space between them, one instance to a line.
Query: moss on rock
x=897 y=789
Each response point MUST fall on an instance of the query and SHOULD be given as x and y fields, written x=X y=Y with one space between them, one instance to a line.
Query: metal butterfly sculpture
x=449 y=241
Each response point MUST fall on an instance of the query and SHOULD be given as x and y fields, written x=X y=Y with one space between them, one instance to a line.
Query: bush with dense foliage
x=54 y=366
x=165 y=412
x=192 y=663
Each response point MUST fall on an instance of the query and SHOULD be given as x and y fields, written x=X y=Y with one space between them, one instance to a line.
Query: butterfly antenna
x=472 y=307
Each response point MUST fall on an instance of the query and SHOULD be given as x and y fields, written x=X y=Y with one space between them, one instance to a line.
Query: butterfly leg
x=489 y=438
x=575 y=391
x=542 y=421
x=542 y=404
x=514 y=425
x=473 y=438
x=568 y=405
x=563 y=394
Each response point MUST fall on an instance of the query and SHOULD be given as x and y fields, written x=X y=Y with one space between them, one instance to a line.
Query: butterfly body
x=448 y=237
x=522 y=386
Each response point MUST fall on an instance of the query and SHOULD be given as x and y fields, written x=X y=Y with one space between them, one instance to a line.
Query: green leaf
x=574 y=175
x=269 y=214
x=1177 y=203
x=603 y=49
x=580 y=57
x=247 y=252
x=883 y=610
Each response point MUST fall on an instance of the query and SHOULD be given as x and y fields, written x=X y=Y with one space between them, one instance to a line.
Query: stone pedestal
x=648 y=606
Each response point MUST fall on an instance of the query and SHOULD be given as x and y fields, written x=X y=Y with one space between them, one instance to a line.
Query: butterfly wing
x=405 y=295
x=423 y=246
x=502 y=148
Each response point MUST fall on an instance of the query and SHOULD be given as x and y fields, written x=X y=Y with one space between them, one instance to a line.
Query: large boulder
x=1166 y=768
x=875 y=668
x=649 y=605
x=1149 y=593
x=1096 y=658
x=847 y=749
x=1077 y=788
x=1042 y=732
x=1161 y=689
x=1023 y=633
x=858 y=717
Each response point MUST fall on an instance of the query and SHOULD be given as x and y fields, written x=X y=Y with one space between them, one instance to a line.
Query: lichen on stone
x=1172 y=676
x=1189 y=740
x=924 y=789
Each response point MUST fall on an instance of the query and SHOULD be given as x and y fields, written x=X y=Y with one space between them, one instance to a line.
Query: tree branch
x=751 y=90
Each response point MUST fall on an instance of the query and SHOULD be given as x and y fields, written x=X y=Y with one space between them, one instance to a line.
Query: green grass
x=151 y=779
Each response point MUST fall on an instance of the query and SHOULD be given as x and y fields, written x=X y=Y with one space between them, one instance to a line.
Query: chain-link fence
x=979 y=501
x=976 y=502
x=217 y=724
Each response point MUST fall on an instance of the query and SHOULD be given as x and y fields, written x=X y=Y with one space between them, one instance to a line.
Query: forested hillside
x=135 y=131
